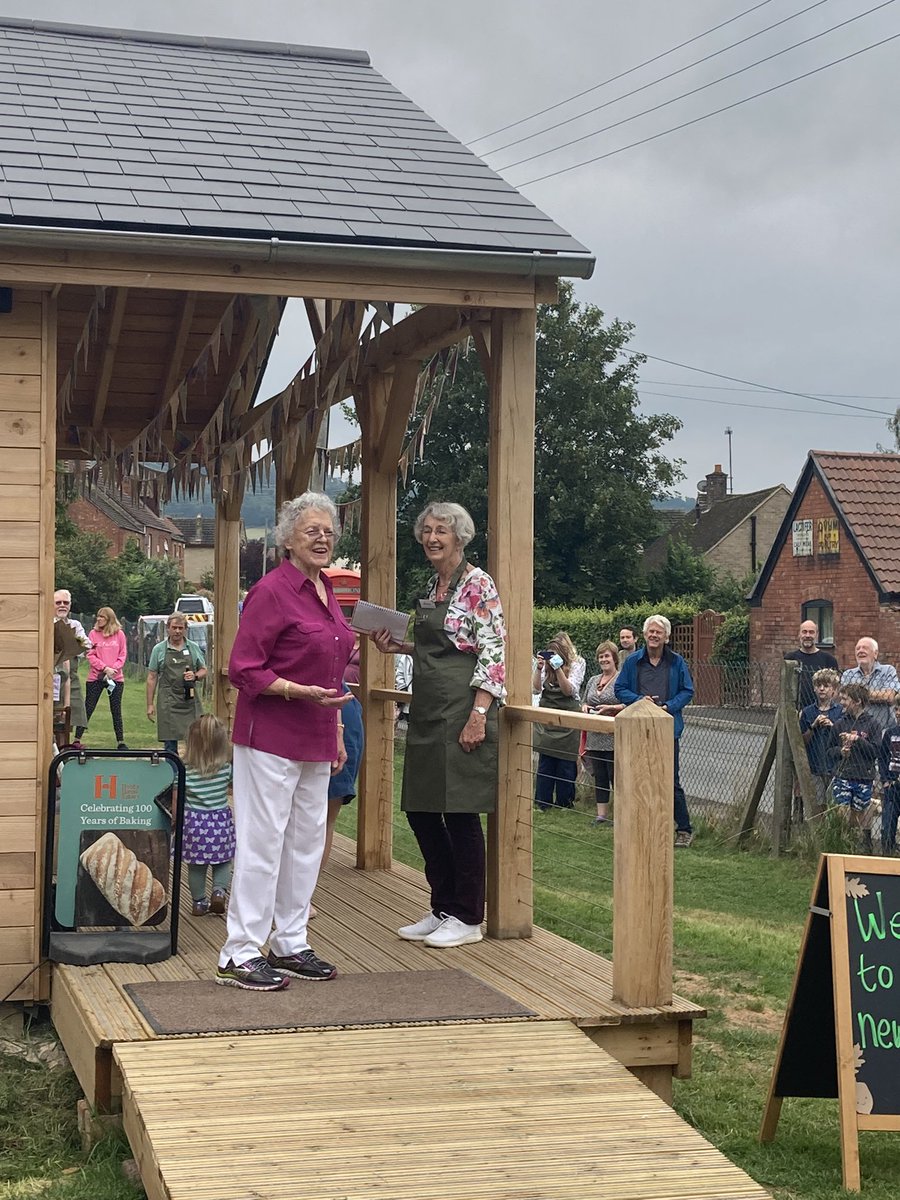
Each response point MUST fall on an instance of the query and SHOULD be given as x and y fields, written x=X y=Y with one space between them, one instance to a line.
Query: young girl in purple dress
x=208 y=824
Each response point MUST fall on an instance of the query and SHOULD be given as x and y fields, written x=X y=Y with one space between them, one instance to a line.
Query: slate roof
x=196 y=531
x=704 y=530
x=130 y=514
x=127 y=130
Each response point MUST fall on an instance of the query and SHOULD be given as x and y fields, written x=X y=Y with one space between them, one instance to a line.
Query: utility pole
x=728 y=432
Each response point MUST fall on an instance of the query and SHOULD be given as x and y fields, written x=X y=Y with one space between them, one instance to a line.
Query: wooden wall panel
x=18 y=687
x=18 y=650
x=27 y=482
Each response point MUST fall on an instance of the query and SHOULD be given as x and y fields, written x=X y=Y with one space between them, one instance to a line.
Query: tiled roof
x=866 y=488
x=131 y=514
x=704 y=530
x=196 y=531
x=156 y=132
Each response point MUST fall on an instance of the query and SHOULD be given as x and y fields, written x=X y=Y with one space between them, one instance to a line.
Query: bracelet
x=286 y=690
x=340 y=725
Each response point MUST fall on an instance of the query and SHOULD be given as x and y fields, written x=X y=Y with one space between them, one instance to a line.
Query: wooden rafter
x=108 y=361
x=178 y=346
x=401 y=401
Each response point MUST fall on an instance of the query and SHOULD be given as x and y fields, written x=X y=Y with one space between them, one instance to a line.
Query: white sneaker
x=420 y=931
x=452 y=932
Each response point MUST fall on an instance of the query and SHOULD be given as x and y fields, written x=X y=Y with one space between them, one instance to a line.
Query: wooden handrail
x=559 y=718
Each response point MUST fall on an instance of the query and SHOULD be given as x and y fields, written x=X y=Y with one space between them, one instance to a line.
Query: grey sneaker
x=304 y=965
x=683 y=839
x=255 y=975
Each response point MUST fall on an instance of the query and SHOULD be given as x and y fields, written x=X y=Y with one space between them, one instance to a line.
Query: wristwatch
x=480 y=710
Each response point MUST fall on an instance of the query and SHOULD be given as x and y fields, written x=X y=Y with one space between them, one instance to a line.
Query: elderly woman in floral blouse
x=450 y=768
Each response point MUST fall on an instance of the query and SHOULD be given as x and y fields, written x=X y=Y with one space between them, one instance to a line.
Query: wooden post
x=378 y=554
x=643 y=866
x=511 y=564
x=784 y=772
x=227 y=592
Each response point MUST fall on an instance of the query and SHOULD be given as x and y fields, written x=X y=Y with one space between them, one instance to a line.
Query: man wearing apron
x=176 y=666
x=557 y=747
x=450 y=768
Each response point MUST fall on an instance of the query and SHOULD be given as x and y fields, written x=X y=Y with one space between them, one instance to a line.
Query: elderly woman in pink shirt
x=288 y=661
x=107 y=658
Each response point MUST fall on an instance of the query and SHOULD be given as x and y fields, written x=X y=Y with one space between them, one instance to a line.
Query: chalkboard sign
x=841 y=1035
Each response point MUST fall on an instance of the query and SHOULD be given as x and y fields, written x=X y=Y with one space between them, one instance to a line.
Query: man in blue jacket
x=662 y=675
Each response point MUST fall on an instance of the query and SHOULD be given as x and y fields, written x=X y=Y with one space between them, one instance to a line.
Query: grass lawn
x=738 y=922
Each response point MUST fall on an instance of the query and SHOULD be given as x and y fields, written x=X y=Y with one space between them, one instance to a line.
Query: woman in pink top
x=106 y=658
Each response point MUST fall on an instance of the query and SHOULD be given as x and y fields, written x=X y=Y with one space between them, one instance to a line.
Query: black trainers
x=255 y=975
x=304 y=965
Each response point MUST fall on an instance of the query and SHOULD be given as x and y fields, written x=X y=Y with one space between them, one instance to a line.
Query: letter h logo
x=104 y=786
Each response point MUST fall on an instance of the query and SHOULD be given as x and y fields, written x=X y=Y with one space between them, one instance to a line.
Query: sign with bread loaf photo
x=126 y=883
x=113 y=859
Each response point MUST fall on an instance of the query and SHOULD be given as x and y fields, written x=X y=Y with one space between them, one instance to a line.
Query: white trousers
x=279 y=817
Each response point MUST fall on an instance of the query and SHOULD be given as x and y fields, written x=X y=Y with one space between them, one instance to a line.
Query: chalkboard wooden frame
x=816 y=1054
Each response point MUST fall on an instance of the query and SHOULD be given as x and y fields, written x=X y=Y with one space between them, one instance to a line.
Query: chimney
x=716 y=486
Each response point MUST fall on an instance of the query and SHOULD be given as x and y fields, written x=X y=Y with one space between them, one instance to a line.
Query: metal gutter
x=271 y=250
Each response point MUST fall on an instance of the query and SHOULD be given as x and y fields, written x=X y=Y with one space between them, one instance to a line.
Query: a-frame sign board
x=841 y=1034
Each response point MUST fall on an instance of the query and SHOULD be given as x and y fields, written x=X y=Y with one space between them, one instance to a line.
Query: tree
x=684 y=573
x=598 y=462
x=130 y=583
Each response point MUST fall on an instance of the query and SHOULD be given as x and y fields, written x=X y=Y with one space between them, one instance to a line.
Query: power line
x=718 y=387
x=760 y=407
x=725 y=108
x=613 y=78
x=749 y=382
x=660 y=79
x=700 y=88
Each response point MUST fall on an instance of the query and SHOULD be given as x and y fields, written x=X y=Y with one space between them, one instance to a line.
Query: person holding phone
x=557 y=747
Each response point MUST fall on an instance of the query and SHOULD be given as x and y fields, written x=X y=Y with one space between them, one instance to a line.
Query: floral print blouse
x=474 y=624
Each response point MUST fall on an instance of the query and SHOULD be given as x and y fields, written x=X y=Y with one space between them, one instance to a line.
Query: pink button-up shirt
x=286 y=632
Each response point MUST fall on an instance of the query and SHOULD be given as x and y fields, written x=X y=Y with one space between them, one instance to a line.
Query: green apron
x=438 y=775
x=553 y=739
x=173 y=713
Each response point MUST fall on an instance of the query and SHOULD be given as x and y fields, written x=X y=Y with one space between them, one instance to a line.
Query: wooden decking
x=505 y=1112
x=359 y=913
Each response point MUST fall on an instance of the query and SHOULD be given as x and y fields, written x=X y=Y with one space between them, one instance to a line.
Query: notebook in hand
x=369 y=618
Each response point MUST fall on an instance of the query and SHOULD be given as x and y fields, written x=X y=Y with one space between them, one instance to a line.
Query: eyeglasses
x=62 y=603
x=312 y=534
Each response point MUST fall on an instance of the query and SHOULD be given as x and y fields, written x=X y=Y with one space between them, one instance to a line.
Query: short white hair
x=454 y=516
x=658 y=619
x=291 y=511
x=871 y=642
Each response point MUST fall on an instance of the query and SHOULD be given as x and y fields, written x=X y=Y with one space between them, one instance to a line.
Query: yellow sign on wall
x=828 y=536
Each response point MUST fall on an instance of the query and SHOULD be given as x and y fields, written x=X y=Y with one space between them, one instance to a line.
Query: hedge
x=587 y=627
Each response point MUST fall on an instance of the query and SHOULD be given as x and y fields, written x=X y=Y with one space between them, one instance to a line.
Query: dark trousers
x=601 y=764
x=92 y=692
x=682 y=820
x=555 y=774
x=890 y=811
x=452 y=845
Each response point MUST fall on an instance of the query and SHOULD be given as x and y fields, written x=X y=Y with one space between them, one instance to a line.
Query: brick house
x=121 y=517
x=733 y=533
x=199 y=535
x=835 y=560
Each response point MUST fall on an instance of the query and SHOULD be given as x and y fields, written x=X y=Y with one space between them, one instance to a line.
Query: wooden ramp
x=502 y=1112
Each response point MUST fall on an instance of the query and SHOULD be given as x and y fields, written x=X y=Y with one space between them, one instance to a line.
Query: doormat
x=378 y=998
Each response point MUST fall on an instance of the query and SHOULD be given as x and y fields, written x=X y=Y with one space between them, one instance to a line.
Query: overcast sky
x=761 y=243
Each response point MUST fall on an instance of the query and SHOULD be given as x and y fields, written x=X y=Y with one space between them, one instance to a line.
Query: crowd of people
x=297 y=740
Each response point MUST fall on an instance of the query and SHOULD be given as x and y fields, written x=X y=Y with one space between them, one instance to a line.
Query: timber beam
x=108 y=361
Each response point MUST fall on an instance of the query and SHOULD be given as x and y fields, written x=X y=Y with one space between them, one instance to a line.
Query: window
x=822 y=612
